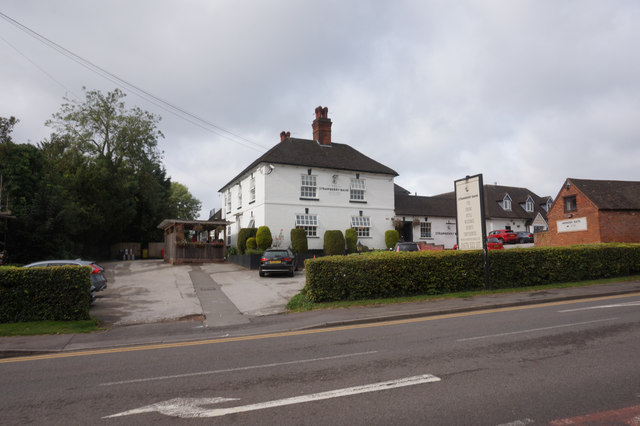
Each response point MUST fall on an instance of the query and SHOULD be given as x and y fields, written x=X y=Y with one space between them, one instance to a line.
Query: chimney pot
x=283 y=136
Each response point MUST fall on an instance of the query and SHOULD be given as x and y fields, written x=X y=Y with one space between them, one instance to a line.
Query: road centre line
x=302 y=332
x=531 y=330
x=183 y=408
x=230 y=370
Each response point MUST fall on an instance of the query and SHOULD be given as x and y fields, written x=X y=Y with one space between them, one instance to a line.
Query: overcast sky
x=526 y=92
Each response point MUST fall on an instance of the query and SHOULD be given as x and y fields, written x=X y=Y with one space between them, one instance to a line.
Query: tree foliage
x=97 y=180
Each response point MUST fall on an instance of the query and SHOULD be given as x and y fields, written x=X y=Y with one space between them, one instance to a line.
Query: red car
x=505 y=236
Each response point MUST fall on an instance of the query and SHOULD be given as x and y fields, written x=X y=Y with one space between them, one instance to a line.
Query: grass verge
x=299 y=302
x=48 y=327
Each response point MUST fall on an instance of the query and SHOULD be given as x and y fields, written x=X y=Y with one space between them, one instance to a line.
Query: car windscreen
x=275 y=254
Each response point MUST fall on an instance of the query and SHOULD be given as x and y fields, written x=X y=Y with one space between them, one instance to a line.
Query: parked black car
x=98 y=280
x=525 y=237
x=277 y=260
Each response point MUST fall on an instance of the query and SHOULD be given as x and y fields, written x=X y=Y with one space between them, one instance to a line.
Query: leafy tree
x=120 y=181
x=182 y=205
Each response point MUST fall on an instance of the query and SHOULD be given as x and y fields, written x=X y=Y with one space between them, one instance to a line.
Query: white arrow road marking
x=617 y=305
x=190 y=407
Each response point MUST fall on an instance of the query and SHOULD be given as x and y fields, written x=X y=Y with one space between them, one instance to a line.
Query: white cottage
x=313 y=184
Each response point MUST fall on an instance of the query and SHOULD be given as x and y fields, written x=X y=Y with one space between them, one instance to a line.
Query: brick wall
x=620 y=226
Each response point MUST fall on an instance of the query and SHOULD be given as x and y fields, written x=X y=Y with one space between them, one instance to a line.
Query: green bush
x=351 y=238
x=254 y=251
x=299 y=242
x=391 y=237
x=263 y=238
x=251 y=243
x=243 y=235
x=389 y=274
x=333 y=243
x=233 y=251
x=61 y=293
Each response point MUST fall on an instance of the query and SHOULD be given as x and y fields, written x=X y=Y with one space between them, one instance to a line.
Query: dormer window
x=506 y=203
x=529 y=206
x=547 y=206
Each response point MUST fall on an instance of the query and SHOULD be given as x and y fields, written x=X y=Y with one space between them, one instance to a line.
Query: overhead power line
x=130 y=87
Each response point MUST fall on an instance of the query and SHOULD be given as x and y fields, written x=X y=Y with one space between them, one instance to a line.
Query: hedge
x=391 y=237
x=333 y=242
x=264 y=238
x=61 y=293
x=351 y=238
x=390 y=274
x=299 y=242
x=243 y=235
x=251 y=244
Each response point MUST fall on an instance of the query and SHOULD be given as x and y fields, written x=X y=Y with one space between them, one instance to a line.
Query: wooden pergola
x=194 y=241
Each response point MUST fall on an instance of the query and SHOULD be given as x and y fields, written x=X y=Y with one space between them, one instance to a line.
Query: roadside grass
x=299 y=302
x=48 y=327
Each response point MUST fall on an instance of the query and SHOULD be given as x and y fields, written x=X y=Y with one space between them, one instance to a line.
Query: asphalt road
x=520 y=365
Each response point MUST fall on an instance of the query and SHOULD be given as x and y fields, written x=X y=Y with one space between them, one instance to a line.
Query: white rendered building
x=314 y=184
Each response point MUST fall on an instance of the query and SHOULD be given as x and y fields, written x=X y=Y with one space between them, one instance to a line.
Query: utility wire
x=159 y=102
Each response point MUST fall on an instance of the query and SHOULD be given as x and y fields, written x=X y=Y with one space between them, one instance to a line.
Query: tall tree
x=121 y=181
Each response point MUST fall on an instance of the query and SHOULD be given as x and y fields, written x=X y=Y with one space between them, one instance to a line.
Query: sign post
x=470 y=219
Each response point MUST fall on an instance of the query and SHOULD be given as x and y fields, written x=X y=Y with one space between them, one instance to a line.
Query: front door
x=407 y=231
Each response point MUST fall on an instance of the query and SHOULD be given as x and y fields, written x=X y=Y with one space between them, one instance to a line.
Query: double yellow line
x=297 y=333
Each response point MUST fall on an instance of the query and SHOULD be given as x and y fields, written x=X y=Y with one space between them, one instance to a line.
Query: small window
x=228 y=200
x=425 y=229
x=308 y=222
x=570 y=204
x=362 y=225
x=252 y=189
x=529 y=205
x=357 y=190
x=239 y=195
x=506 y=203
x=308 y=186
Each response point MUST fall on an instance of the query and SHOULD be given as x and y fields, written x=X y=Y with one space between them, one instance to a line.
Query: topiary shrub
x=391 y=237
x=251 y=243
x=299 y=241
x=333 y=243
x=351 y=238
x=263 y=238
x=243 y=236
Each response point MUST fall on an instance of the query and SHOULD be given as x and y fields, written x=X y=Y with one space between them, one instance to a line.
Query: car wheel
x=261 y=273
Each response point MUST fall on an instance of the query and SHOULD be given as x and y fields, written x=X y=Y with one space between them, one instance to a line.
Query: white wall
x=278 y=201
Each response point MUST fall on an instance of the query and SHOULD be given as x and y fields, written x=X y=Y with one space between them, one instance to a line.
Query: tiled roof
x=415 y=205
x=495 y=194
x=309 y=153
x=610 y=194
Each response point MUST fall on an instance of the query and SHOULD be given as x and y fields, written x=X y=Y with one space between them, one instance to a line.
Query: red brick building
x=593 y=211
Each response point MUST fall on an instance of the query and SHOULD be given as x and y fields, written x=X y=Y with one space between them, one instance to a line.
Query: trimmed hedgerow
x=391 y=237
x=299 y=242
x=251 y=244
x=61 y=293
x=243 y=235
x=264 y=238
x=333 y=243
x=351 y=238
x=390 y=274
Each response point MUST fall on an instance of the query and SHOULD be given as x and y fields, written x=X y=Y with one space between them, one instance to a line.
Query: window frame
x=362 y=225
x=426 y=230
x=507 y=203
x=308 y=222
x=529 y=205
x=309 y=187
x=357 y=190
x=570 y=203
x=252 y=189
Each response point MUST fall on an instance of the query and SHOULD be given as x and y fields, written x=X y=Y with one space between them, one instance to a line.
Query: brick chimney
x=322 y=126
x=284 y=135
